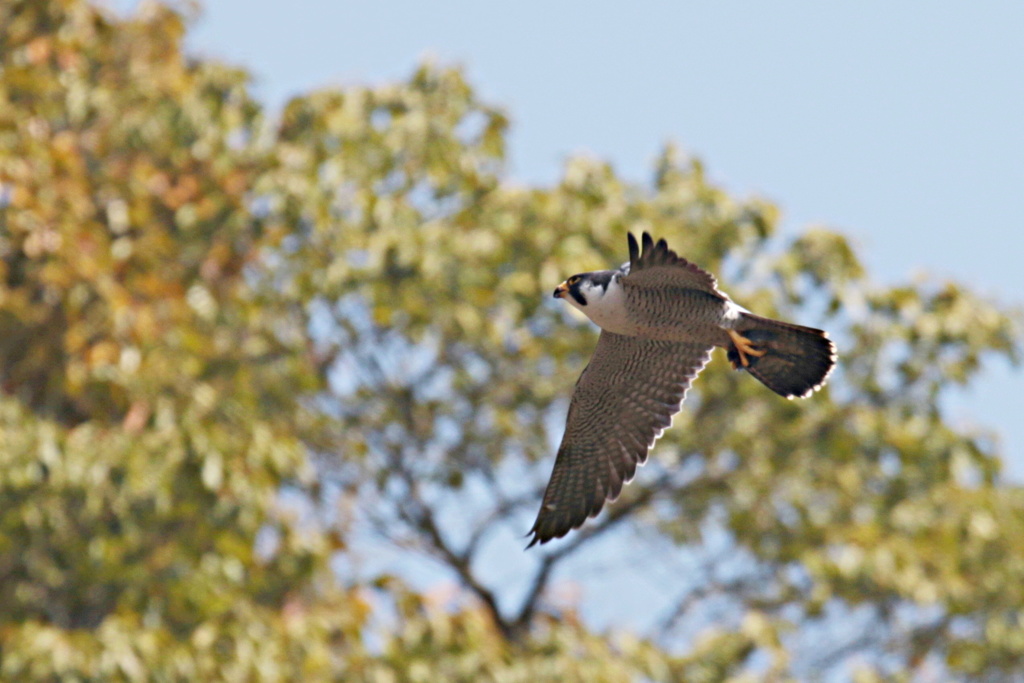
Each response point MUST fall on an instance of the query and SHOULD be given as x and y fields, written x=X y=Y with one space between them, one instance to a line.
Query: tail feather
x=797 y=361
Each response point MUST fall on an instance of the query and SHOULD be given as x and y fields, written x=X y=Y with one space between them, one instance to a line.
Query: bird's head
x=585 y=288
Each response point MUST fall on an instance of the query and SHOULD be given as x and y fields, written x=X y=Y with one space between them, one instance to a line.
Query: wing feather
x=623 y=401
x=659 y=266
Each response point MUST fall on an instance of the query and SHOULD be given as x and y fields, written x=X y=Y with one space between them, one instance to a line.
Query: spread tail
x=791 y=360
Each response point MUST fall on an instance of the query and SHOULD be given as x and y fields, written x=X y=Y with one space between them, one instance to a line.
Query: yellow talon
x=744 y=347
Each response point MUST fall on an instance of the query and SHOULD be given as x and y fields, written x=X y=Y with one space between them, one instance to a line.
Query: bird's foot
x=744 y=348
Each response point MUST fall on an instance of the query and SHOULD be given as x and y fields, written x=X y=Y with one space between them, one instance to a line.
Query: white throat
x=606 y=307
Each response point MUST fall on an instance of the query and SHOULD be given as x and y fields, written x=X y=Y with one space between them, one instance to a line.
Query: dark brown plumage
x=797 y=360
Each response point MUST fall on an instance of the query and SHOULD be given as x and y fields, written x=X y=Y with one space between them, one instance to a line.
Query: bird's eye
x=574 y=279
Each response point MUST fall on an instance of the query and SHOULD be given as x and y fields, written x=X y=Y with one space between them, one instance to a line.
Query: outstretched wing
x=658 y=266
x=623 y=401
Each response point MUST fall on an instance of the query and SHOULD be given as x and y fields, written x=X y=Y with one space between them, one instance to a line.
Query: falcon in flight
x=660 y=317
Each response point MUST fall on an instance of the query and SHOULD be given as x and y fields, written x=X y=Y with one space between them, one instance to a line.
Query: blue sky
x=901 y=124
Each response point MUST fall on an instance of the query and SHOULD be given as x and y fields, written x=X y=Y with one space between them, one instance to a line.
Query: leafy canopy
x=233 y=345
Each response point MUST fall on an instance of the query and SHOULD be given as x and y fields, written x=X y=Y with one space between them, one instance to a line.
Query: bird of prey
x=660 y=317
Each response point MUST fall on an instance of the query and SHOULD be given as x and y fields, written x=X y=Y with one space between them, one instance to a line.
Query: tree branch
x=418 y=513
x=614 y=516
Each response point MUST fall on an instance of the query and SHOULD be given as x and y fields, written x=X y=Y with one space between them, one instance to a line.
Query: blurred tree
x=231 y=345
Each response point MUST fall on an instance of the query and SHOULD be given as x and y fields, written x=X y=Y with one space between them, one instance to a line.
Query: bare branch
x=614 y=516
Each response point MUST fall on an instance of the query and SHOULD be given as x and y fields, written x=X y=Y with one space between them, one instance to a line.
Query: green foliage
x=206 y=314
x=151 y=414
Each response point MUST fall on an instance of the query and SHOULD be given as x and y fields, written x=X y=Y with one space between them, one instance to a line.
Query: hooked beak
x=561 y=290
